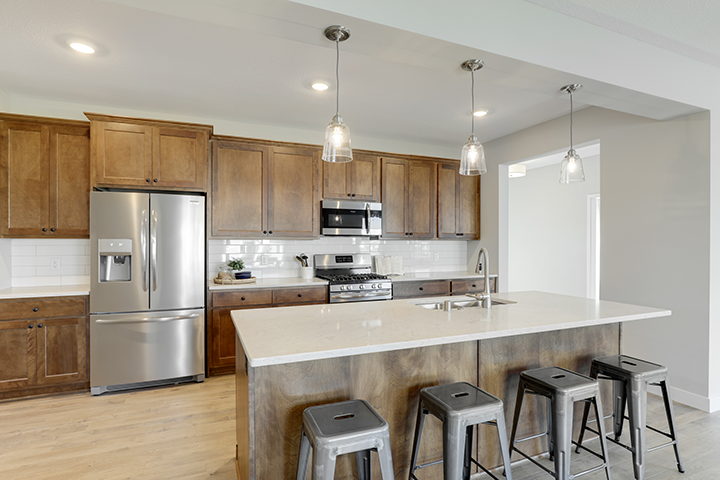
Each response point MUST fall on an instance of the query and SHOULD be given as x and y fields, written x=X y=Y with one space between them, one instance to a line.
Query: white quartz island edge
x=274 y=336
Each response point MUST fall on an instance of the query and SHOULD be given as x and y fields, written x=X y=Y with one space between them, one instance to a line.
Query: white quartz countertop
x=269 y=283
x=54 y=291
x=275 y=336
x=436 y=276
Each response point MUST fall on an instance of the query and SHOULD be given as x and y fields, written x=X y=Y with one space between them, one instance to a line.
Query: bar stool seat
x=631 y=377
x=561 y=388
x=459 y=406
x=339 y=428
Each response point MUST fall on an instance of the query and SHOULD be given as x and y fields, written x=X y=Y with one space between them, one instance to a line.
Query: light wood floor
x=188 y=432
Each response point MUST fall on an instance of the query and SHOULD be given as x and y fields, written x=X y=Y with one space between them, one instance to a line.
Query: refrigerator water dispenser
x=115 y=263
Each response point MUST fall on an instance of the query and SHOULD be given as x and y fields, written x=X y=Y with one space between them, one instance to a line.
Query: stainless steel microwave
x=340 y=217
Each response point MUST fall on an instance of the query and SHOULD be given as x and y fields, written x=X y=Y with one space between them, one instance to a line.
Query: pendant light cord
x=571 y=120
x=337 y=73
x=472 y=110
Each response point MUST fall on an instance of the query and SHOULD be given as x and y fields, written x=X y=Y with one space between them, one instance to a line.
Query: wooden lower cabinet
x=421 y=288
x=221 y=331
x=473 y=285
x=43 y=349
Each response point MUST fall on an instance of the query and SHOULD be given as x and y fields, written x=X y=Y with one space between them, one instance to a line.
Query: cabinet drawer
x=421 y=289
x=42 y=308
x=474 y=285
x=242 y=298
x=293 y=296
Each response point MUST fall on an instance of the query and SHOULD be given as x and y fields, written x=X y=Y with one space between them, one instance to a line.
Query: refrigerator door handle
x=144 y=250
x=148 y=319
x=153 y=249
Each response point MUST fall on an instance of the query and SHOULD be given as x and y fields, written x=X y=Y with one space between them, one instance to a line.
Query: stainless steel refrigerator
x=147 y=289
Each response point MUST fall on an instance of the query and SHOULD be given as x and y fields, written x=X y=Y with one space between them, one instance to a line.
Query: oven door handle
x=362 y=295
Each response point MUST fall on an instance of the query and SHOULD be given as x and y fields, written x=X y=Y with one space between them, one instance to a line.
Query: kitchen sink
x=461 y=304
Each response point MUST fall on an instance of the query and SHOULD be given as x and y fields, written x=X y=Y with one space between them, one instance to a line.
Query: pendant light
x=571 y=168
x=336 y=148
x=472 y=161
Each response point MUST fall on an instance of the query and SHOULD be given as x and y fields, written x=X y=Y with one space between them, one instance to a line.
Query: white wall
x=547 y=241
x=655 y=234
x=5 y=263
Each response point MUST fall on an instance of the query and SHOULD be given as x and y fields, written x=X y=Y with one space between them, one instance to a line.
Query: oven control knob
x=362 y=287
x=342 y=287
x=375 y=285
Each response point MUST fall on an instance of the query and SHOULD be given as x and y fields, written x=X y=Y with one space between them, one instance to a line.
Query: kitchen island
x=385 y=352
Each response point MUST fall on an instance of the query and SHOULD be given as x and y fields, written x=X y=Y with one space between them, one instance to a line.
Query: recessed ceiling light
x=320 y=86
x=480 y=113
x=515 y=171
x=82 y=48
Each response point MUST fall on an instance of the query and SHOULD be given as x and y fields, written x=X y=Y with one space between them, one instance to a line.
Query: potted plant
x=237 y=265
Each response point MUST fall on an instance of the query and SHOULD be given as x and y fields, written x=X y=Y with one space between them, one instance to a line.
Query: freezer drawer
x=145 y=347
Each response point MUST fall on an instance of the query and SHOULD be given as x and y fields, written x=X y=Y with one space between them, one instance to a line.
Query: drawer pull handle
x=421 y=288
x=35 y=309
x=299 y=294
x=474 y=286
x=243 y=298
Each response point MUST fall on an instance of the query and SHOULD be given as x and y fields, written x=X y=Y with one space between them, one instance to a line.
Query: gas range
x=351 y=278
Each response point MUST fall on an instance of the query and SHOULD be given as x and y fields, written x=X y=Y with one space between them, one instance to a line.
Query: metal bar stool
x=562 y=388
x=459 y=406
x=340 y=428
x=631 y=377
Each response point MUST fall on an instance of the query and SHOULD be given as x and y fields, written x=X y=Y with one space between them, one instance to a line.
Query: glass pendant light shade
x=472 y=160
x=571 y=168
x=336 y=148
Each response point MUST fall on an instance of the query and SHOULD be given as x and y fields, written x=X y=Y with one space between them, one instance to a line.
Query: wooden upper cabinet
x=458 y=204
x=264 y=191
x=409 y=192
x=45 y=175
x=132 y=152
x=293 y=200
x=356 y=180
x=239 y=189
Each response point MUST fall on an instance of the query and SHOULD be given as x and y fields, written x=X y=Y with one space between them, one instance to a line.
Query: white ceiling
x=253 y=61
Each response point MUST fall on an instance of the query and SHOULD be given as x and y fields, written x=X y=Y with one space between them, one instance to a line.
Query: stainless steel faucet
x=483 y=297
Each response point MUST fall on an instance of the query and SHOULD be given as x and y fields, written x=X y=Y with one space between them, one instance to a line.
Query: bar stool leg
x=323 y=464
x=516 y=415
x=418 y=433
x=619 y=401
x=453 y=448
x=304 y=456
x=362 y=457
x=671 y=423
x=638 y=420
x=550 y=437
x=583 y=425
x=385 y=457
x=562 y=432
x=502 y=436
x=467 y=452
x=597 y=402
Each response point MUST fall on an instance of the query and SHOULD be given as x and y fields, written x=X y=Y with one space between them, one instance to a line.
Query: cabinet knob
x=155 y=180
x=461 y=234
x=44 y=229
x=31 y=325
x=474 y=286
x=264 y=232
x=353 y=194
x=35 y=309
x=299 y=294
x=52 y=229
x=147 y=180
x=270 y=232
x=421 y=288
x=406 y=233
x=410 y=233
x=40 y=325
x=348 y=194
x=243 y=298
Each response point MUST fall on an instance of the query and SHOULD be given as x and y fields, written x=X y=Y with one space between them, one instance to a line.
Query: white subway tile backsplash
x=23 y=271
x=75 y=279
x=36 y=281
x=22 y=250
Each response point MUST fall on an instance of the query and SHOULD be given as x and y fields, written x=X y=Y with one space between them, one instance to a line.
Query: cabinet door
x=61 y=350
x=335 y=180
x=222 y=331
x=394 y=178
x=293 y=197
x=468 y=202
x=239 y=190
x=69 y=181
x=364 y=178
x=122 y=154
x=180 y=158
x=24 y=176
x=447 y=199
x=17 y=354
x=422 y=199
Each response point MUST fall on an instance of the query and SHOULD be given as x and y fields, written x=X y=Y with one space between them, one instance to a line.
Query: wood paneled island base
x=271 y=399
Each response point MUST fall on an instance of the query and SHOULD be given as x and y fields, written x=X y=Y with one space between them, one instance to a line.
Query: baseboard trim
x=690 y=399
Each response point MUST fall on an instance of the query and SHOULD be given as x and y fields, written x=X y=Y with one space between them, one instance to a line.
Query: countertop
x=436 y=276
x=53 y=291
x=281 y=335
